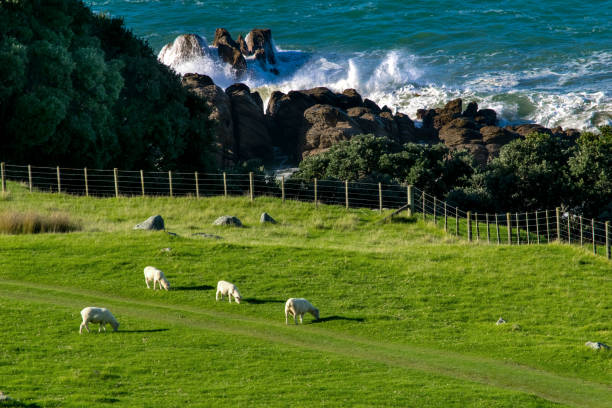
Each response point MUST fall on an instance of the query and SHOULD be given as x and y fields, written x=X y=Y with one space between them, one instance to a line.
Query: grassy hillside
x=407 y=313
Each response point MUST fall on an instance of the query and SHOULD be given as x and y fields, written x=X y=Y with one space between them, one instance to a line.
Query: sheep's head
x=315 y=313
x=165 y=284
x=237 y=299
x=115 y=325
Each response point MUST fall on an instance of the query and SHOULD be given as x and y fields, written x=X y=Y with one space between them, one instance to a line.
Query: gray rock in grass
x=228 y=220
x=266 y=218
x=595 y=345
x=205 y=235
x=500 y=321
x=153 y=223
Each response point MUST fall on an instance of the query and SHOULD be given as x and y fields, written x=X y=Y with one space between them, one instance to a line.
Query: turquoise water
x=548 y=62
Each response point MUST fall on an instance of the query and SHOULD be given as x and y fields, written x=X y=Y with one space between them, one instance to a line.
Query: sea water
x=547 y=61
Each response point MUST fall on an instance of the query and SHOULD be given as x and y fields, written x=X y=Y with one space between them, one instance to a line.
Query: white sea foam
x=406 y=83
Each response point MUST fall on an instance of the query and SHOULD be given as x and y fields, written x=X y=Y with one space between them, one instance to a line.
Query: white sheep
x=153 y=274
x=229 y=289
x=97 y=315
x=297 y=307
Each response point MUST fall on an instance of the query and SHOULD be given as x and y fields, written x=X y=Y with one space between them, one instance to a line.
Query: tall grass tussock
x=12 y=222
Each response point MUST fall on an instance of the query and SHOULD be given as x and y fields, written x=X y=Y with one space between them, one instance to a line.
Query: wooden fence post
x=423 y=195
x=477 y=227
x=547 y=227
x=283 y=189
x=315 y=193
x=142 y=182
x=537 y=226
x=3 y=177
x=558 y=210
x=346 y=200
x=197 y=185
x=435 y=212
x=224 y=185
x=509 y=226
x=380 y=197
x=251 y=186
x=497 y=229
x=518 y=229
x=456 y=221
x=527 y=227
x=59 y=182
x=569 y=229
x=410 y=193
x=608 y=239
x=469 y=226
x=170 y=182
x=86 y=182
x=445 y=218
x=593 y=230
x=488 y=230
x=581 y=234
x=116 y=182
x=30 y=177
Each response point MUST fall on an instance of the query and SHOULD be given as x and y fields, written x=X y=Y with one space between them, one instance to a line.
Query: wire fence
x=518 y=228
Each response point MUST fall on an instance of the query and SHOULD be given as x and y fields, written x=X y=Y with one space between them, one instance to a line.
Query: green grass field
x=407 y=313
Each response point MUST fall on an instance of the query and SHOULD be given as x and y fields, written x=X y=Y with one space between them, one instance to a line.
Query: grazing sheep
x=157 y=276
x=297 y=307
x=229 y=289
x=97 y=315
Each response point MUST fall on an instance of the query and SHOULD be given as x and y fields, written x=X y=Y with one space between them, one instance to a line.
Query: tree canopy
x=78 y=89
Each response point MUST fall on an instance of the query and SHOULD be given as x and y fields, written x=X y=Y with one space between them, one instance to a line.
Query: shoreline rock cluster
x=305 y=122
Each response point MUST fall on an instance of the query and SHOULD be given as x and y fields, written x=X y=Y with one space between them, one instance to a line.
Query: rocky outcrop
x=306 y=122
x=184 y=48
x=220 y=111
x=229 y=51
x=250 y=126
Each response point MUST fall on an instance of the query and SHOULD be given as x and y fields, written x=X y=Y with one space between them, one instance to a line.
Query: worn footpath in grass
x=407 y=313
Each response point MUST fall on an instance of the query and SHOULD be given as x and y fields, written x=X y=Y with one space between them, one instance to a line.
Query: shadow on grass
x=332 y=318
x=15 y=403
x=254 y=301
x=198 y=287
x=398 y=219
x=142 y=331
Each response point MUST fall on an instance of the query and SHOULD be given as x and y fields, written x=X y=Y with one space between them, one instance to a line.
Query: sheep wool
x=97 y=315
x=153 y=274
x=229 y=289
x=298 y=307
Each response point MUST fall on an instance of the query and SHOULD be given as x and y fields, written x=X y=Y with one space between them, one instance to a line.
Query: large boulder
x=497 y=135
x=486 y=117
x=220 y=112
x=529 y=128
x=184 y=48
x=261 y=39
x=459 y=132
x=444 y=116
x=286 y=115
x=322 y=96
x=250 y=126
x=228 y=220
x=324 y=126
x=153 y=223
x=229 y=51
x=368 y=121
x=406 y=129
x=349 y=98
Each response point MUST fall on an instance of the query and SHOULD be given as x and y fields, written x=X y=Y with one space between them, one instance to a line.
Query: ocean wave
x=405 y=82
